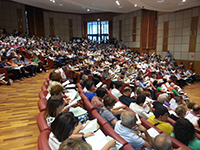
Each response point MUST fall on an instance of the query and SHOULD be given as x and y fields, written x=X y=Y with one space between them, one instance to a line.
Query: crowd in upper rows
x=119 y=66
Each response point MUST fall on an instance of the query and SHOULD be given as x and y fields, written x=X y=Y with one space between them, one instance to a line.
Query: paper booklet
x=118 y=104
x=193 y=119
x=90 y=127
x=78 y=111
x=65 y=83
x=71 y=93
x=99 y=140
x=152 y=132
x=99 y=84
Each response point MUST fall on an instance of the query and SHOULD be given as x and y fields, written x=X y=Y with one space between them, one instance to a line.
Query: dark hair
x=140 y=78
x=198 y=122
x=88 y=84
x=3 y=58
x=140 y=99
x=63 y=125
x=9 y=58
x=101 y=92
x=160 y=111
x=109 y=101
x=52 y=104
x=126 y=90
x=117 y=85
x=184 y=131
x=179 y=99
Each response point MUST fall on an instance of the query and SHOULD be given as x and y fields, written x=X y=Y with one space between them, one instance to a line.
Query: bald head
x=162 y=142
x=128 y=119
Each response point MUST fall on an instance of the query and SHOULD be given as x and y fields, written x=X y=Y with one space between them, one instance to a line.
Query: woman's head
x=101 y=92
x=71 y=144
x=56 y=77
x=56 y=90
x=109 y=101
x=184 y=131
x=89 y=85
x=138 y=91
x=63 y=125
x=181 y=111
x=54 y=106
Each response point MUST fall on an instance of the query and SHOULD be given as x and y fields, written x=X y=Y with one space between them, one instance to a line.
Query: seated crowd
x=144 y=83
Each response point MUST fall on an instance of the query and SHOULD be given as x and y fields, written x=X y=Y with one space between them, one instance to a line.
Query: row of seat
x=145 y=123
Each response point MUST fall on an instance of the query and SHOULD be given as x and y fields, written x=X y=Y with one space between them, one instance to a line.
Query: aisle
x=18 y=107
x=193 y=92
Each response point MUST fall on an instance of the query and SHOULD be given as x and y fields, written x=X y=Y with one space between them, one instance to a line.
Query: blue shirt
x=142 y=85
x=90 y=95
x=107 y=115
x=133 y=139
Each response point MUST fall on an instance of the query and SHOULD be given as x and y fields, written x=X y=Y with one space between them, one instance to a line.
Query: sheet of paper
x=48 y=96
x=65 y=83
x=78 y=111
x=90 y=127
x=99 y=84
x=72 y=103
x=138 y=119
x=118 y=104
x=70 y=86
x=71 y=93
x=118 y=145
x=98 y=141
x=152 y=132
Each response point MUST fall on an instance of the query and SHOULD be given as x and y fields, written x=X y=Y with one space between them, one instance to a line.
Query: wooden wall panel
x=70 y=29
x=134 y=29
x=51 y=26
x=193 y=34
x=20 y=20
x=120 y=30
x=110 y=29
x=165 y=36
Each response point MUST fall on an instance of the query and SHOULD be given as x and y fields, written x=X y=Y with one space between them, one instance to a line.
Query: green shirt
x=194 y=144
x=36 y=59
x=175 y=92
x=158 y=89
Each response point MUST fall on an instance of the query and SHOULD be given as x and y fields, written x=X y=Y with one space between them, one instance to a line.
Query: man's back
x=133 y=139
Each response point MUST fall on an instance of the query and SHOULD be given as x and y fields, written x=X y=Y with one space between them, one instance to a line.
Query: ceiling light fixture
x=135 y=5
x=183 y=1
x=53 y=1
x=118 y=3
x=160 y=1
x=88 y=9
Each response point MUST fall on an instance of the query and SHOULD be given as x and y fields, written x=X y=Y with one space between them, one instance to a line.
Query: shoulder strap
x=156 y=124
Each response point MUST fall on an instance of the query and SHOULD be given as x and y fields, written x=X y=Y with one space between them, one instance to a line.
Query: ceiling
x=81 y=6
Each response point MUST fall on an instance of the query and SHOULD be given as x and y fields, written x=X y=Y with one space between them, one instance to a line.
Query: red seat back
x=42 y=104
x=43 y=140
x=41 y=122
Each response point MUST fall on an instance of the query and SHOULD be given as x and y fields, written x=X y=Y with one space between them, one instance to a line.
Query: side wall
x=127 y=28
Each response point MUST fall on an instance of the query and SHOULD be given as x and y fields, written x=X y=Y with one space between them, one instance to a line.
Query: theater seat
x=46 y=84
x=42 y=104
x=41 y=122
x=44 y=89
x=90 y=77
x=101 y=120
x=127 y=147
x=43 y=140
x=42 y=95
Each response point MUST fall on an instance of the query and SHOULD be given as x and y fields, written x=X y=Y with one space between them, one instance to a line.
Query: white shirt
x=53 y=142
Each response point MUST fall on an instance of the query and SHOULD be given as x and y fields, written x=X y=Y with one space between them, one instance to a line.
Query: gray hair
x=64 y=68
x=162 y=142
x=162 y=97
x=84 y=77
x=128 y=118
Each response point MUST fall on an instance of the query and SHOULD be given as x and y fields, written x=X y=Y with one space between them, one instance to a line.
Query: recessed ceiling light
x=135 y=5
x=88 y=9
x=118 y=3
x=183 y=1
x=60 y=4
x=160 y=1
x=53 y=1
